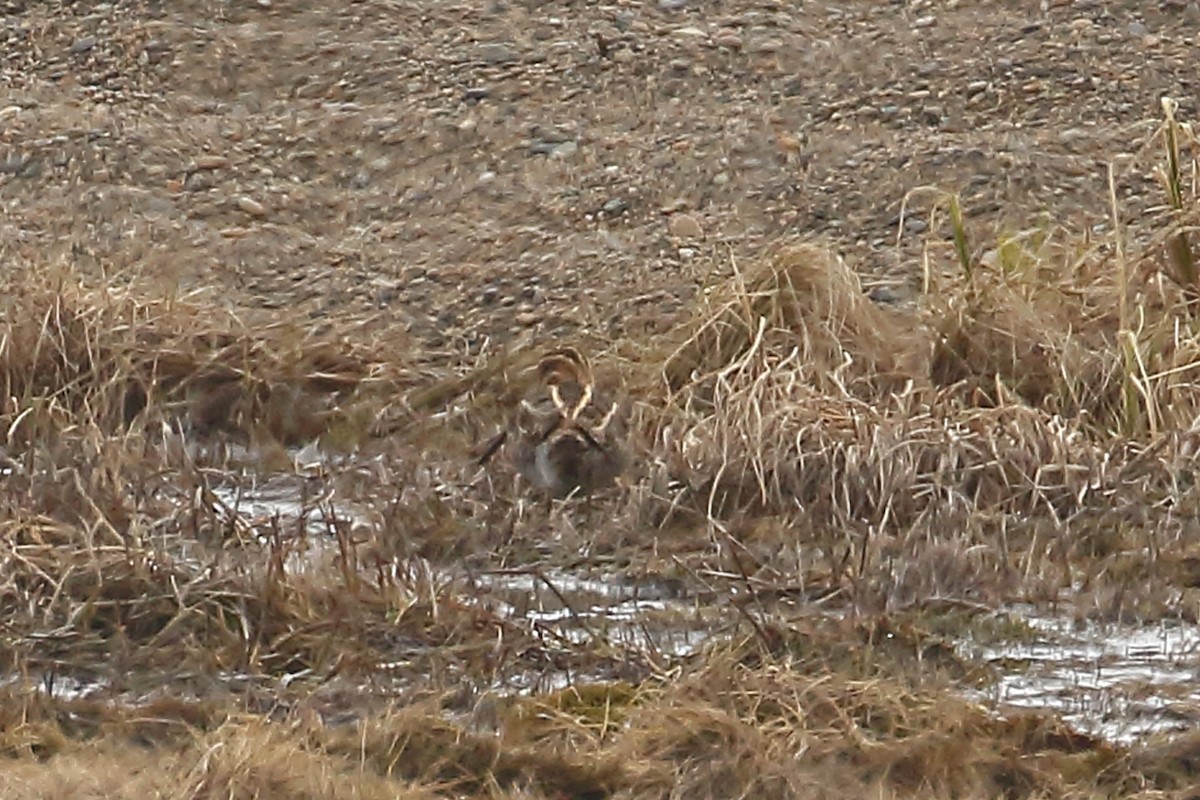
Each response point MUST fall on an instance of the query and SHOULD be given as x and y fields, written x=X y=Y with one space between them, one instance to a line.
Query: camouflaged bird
x=563 y=440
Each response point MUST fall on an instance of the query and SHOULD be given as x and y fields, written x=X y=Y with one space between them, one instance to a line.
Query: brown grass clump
x=737 y=730
x=114 y=352
x=804 y=304
x=198 y=596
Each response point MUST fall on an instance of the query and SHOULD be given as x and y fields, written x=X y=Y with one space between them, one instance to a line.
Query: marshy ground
x=897 y=302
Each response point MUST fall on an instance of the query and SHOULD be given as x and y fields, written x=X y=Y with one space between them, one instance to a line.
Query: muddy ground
x=966 y=577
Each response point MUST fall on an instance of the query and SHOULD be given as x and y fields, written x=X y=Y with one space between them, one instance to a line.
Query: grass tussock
x=1045 y=382
x=119 y=355
x=803 y=303
x=732 y=726
x=831 y=491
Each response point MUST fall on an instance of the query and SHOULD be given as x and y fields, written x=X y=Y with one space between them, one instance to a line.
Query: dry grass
x=1025 y=431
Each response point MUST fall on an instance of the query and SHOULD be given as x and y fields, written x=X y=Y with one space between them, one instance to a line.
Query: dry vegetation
x=252 y=554
x=832 y=480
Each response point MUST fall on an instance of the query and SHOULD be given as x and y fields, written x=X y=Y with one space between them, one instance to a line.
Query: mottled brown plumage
x=572 y=446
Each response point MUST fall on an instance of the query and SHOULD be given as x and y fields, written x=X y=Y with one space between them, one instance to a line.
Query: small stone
x=884 y=295
x=925 y=22
x=672 y=5
x=84 y=45
x=767 y=46
x=687 y=253
x=487 y=177
x=198 y=182
x=721 y=179
x=13 y=165
x=496 y=53
x=251 y=206
x=615 y=206
x=211 y=161
x=564 y=150
x=728 y=38
x=476 y=94
x=526 y=318
x=624 y=56
x=690 y=32
x=685 y=226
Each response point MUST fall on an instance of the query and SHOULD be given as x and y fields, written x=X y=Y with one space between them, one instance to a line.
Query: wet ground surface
x=1121 y=682
x=455 y=175
x=1124 y=682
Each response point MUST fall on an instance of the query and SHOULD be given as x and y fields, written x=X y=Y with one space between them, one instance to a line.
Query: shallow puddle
x=1120 y=682
x=610 y=610
x=278 y=503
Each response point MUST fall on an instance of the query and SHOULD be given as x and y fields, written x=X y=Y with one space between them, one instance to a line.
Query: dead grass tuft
x=804 y=303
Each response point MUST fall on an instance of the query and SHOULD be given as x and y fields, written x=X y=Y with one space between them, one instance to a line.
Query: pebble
x=883 y=295
x=615 y=206
x=13 y=165
x=251 y=206
x=84 y=45
x=211 y=161
x=476 y=94
x=684 y=226
x=198 y=182
x=728 y=38
x=564 y=150
x=496 y=53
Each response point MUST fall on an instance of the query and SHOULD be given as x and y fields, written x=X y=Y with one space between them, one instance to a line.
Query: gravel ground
x=466 y=172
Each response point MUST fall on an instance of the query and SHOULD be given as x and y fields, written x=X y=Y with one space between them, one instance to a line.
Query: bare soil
x=502 y=169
